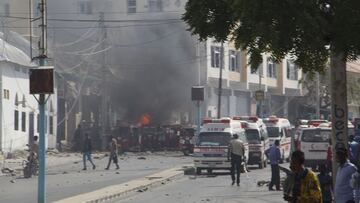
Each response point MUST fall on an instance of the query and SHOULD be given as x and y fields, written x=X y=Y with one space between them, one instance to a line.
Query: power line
x=96 y=20
x=97 y=27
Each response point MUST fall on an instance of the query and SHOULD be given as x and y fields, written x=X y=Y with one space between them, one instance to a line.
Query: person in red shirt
x=329 y=156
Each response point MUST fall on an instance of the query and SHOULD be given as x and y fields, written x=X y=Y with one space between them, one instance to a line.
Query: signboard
x=42 y=80
x=259 y=95
x=197 y=93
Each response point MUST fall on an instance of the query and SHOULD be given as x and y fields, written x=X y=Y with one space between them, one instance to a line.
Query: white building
x=18 y=109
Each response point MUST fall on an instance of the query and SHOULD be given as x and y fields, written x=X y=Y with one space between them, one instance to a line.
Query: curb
x=116 y=192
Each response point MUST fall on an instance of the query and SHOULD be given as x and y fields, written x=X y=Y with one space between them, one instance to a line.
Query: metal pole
x=317 y=95
x=260 y=101
x=220 y=79
x=43 y=62
x=198 y=117
x=104 y=118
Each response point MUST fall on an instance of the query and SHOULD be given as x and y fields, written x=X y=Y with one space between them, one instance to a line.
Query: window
x=24 y=101
x=85 y=7
x=259 y=70
x=131 y=6
x=7 y=94
x=51 y=125
x=155 y=6
x=6 y=9
x=271 y=68
x=291 y=70
x=234 y=57
x=16 y=120
x=16 y=100
x=23 y=121
x=38 y=122
x=215 y=56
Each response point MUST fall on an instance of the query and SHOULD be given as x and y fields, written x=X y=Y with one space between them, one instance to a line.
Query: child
x=326 y=184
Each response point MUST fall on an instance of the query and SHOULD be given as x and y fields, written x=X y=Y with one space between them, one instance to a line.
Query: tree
x=310 y=31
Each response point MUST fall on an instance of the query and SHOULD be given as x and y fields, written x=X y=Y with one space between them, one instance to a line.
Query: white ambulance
x=211 y=149
x=280 y=129
x=257 y=137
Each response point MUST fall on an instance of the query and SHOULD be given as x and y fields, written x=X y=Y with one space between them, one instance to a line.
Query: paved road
x=213 y=189
x=68 y=179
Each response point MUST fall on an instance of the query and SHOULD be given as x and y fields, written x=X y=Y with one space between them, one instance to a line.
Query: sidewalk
x=116 y=192
x=52 y=160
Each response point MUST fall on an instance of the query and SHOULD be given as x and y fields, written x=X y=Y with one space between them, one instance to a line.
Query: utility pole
x=198 y=103
x=318 y=95
x=260 y=89
x=42 y=102
x=220 y=79
x=104 y=95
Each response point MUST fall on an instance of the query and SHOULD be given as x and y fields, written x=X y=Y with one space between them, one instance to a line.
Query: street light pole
x=220 y=79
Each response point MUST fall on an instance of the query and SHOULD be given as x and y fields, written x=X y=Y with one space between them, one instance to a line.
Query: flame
x=145 y=119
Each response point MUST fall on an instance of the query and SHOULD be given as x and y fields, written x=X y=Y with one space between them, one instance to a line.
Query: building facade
x=19 y=109
x=279 y=81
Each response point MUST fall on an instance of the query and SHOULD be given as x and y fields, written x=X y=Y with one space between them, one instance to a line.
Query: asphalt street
x=68 y=179
x=213 y=189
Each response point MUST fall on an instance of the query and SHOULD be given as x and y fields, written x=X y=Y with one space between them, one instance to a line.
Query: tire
x=261 y=165
x=265 y=163
x=186 y=152
x=27 y=172
x=209 y=171
x=198 y=171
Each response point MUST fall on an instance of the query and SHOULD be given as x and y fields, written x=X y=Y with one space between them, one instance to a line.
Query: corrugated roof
x=10 y=53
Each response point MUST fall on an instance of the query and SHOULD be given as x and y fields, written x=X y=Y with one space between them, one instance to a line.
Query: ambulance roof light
x=225 y=120
x=207 y=120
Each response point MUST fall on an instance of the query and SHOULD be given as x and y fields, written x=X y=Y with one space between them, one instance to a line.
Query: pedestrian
x=113 y=153
x=306 y=188
x=273 y=153
x=77 y=139
x=87 y=148
x=325 y=183
x=354 y=146
x=343 y=190
x=329 y=156
x=235 y=154
x=355 y=184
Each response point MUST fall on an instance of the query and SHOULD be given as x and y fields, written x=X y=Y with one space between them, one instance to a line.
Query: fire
x=145 y=119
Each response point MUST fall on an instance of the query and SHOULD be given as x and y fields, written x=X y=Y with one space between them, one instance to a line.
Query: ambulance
x=211 y=149
x=280 y=129
x=257 y=137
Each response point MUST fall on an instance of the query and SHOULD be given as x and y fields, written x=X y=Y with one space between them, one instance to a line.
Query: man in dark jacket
x=86 y=151
x=273 y=153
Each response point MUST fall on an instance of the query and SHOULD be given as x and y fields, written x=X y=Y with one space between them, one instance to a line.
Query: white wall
x=16 y=81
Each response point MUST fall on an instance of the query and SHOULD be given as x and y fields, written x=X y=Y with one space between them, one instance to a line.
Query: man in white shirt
x=344 y=193
x=236 y=153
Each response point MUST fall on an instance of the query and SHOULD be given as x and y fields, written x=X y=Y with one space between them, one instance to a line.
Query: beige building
x=279 y=81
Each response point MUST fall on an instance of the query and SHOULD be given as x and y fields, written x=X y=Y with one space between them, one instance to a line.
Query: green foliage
x=305 y=29
x=210 y=18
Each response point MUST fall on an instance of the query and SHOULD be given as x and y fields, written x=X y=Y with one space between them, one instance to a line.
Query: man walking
x=343 y=190
x=236 y=154
x=113 y=154
x=273 y=153
x=87 y=147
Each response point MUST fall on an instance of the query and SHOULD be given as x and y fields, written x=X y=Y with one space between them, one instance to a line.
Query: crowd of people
x=302 y=185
